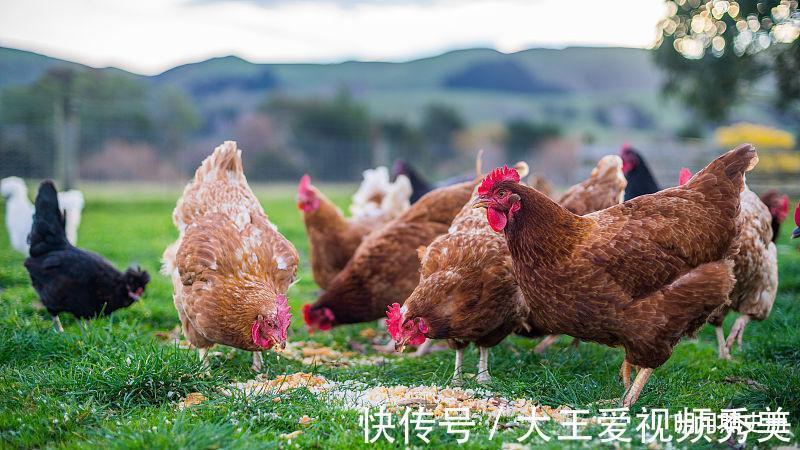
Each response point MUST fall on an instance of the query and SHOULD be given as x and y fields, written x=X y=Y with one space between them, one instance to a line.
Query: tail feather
x=168 y=259
x=226 y=158
x=732 y=165
x=47 y=232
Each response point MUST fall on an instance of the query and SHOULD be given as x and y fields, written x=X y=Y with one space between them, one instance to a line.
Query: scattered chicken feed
x=356 y=395
x=310 y=352
x=195 y=398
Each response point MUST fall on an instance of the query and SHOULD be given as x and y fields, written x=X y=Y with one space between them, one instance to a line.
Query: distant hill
x=485 y=84
x=577 y=69
x=22 y=67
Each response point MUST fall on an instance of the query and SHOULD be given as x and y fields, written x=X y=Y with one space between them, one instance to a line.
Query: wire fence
x=563 y=162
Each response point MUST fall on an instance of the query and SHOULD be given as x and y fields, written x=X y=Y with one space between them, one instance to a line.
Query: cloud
x=149 y=36
x=339 y=3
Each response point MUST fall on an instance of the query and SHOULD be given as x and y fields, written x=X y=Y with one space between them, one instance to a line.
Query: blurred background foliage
x=715 y=53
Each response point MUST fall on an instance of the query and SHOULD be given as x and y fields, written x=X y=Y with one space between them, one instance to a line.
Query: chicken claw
x=642 y=375
x=737 y=331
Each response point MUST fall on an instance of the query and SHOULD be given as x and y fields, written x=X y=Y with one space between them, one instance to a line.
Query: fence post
x=66 y=137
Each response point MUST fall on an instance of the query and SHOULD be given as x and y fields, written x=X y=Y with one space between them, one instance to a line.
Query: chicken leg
x=642 y=375
x=483 y=366
x=258 y=362
x=625 y=374
x=457 y=379
x=57 y=324
x=545 y=344
x=721 y=344
x=737 y=331
x=203 y=354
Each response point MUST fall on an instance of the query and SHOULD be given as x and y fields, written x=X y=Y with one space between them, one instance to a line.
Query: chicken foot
x=721 y=344
x=737 y=331
x=57 y=324
x=457 y=379
x=642 y=375
x=483 y=376
x=258 y=362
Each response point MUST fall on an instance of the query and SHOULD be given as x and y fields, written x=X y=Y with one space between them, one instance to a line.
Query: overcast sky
x=149 y=36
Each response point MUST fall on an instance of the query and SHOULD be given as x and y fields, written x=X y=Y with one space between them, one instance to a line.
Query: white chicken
x=19 y=212
x=378 y=196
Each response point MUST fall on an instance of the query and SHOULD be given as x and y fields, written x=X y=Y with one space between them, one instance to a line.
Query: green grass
x=115 y=385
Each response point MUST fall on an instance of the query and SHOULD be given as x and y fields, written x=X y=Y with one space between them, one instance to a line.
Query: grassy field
x=116 y=385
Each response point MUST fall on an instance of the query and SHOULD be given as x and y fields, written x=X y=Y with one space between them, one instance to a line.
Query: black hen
x=419 y=186
x=69 y=279
x=640 y=180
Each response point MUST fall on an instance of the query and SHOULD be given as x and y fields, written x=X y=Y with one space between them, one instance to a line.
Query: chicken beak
x=796 y=233
x=277 y=344
x=399 y=346
x=480 y=202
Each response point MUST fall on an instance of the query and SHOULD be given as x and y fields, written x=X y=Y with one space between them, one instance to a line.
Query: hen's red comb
x=684 y=176
x=305 y=184
x=394 y=321
x=797 y=215
x=497 y=175
x=783 y=208
x=307 y=313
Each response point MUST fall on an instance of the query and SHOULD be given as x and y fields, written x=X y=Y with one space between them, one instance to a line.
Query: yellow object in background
x=763 y=137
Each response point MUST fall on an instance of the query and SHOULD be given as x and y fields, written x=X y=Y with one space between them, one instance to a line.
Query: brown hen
x=466 y=292
x=230 y=267
x=638 y=275
x=604 y=188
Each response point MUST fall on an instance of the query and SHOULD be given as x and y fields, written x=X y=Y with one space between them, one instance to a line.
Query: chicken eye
x=502 y=192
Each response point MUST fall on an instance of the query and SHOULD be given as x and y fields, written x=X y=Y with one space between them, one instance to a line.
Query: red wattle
x=684 y=176
x=257 y=338
x=497 y=219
